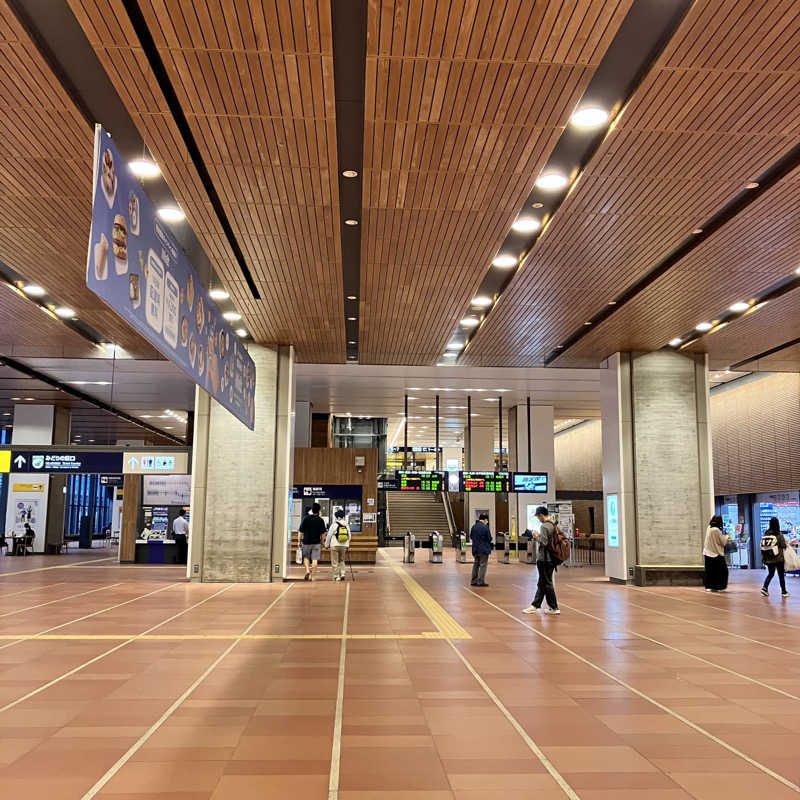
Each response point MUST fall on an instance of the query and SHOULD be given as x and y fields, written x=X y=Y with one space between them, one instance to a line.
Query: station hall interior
x=399 y=399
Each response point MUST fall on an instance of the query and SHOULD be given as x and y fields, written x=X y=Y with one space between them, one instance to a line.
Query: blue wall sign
x=612 y=520
x=137 y=267
x=65 y=461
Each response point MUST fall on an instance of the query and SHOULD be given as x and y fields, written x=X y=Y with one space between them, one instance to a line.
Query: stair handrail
x=451 y=520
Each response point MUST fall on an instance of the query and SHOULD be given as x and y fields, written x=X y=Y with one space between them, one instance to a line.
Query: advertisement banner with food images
x=137 y=267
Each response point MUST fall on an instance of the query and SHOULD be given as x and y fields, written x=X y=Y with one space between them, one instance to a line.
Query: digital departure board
x=530 y=482
x=421 y=481
x=484 y=481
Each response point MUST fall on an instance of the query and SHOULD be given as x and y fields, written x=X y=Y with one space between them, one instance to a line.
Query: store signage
x=27 y=487
x=529 y=482
x=111 y=480
x=65 y=461
x=424 y=481
x=612 y=520
x=138 y=268
x=416 y=450
x=483 y=482
x=152 y=463
x=331 y=491
x=389 y=484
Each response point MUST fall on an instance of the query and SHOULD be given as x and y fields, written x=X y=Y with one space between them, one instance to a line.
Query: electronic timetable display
x=422 y=481
x=485 y=482
x=529 y=482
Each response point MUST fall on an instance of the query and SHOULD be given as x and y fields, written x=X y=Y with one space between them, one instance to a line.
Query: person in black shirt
x=311 y=530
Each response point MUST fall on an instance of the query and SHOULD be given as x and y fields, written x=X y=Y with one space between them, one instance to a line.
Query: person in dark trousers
x=481 y=550
x=545 y=566
x=311 y=530
x=180 y=533
x=773 y=543
x=716 y=572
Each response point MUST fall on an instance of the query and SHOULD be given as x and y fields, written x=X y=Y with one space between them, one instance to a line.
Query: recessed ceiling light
x=589 y=117
x=33 y=289
x=218 y=294
x=798 y=270
x=232 y=316
x=351 y=342
x=751 y=185
x=469 y=322
x=481 y=301
x=144 y=168
x=587 y=323
x=551 y=180
x=697 y=230
x=171 y=214
x=675 y=342
x=30 y=398
x=612 y=302
x=504 y=261
x=91 y=440
x=168 y=427
x=352 y=297
x=241 y=332
x=349 y=173
x=741 y=306
x=351 y=222
x=491 y=399
x=6 y=413
x=16 y=398
x=704 y=326
x=351 y=319
x=455 y=346
x=145 y=416
x=64 y=312
x=526 y=224
x=102 y=383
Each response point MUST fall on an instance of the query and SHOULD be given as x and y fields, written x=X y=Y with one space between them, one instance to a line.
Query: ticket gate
x=409 y=548
x=437 y=543
x=502 y=546
x=526 y=551
x=461 y=552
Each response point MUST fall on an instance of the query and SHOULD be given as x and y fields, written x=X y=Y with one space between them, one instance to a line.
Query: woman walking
x=716 y=575
x=773 y=545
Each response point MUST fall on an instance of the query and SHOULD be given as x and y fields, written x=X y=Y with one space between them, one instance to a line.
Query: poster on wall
x=138 y=268
x=27 y=503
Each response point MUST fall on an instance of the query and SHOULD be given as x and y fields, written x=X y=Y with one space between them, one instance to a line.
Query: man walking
x=545 y=565
x=481 y=549
x=311 y=530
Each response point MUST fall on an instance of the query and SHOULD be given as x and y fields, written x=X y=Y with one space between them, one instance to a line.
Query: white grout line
x=33 y=589
x=59 y=566
x=532 y=746
x=108 y=652
x=336 y=748
x=59 y=600
x=693 y=725
x=133 y=749
x=670 y=647
x=88 y=616
x=709 y=627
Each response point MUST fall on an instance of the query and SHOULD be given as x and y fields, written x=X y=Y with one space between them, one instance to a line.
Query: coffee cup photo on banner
x=136 y=266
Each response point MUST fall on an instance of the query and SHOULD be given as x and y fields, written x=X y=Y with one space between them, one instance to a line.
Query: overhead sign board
x=529 y=482
x=425 y=481
x=331 y=491
x=138 y=268
x=484 y=482
x=155 y=463
x=60 y=461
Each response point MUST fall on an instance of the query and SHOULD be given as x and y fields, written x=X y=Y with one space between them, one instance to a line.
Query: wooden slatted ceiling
x=755 y=249
x=464 y=102
x=46 y=188
x=255 y=81
x=721 y=104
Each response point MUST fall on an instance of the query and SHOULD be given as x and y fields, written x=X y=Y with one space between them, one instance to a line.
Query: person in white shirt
x=180 y=533
x=338 y=540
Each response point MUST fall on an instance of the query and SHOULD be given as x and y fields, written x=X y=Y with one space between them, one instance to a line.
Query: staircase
x=418 y=512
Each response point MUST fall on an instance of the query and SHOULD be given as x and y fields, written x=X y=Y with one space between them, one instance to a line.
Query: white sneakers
x=534 y=610
x=552 y=611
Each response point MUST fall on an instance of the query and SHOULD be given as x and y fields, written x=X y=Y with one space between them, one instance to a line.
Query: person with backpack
x=552 y=550
x=715 y=577
x=773 y=545
x=338 y=541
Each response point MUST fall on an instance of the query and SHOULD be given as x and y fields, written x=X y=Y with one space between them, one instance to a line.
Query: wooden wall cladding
x=46 y=191
x=336 y=465
x=255 y=81
x=579 y=463
x=720 y=105
x=755 y=433
x=464 y=102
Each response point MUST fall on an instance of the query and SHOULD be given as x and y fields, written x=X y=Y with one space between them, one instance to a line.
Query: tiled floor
x=139 y=685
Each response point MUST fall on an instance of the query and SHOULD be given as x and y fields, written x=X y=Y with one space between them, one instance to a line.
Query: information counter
x=156 y=551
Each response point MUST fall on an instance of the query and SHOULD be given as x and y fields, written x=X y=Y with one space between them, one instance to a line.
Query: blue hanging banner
x=138 y=268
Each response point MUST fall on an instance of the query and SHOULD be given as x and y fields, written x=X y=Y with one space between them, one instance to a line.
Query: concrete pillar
x=302 y=423
x=657 y=468
x=482 y=461
x=542 y=451
x=244 y=506
x=197 y=501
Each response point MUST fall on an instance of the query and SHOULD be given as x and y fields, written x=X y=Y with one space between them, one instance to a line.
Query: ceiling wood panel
x=45 y=193
x=464 y=102
x=255 y=81
x=721 y=104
